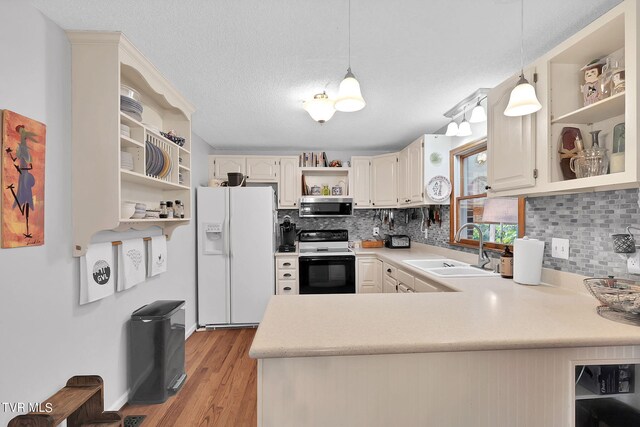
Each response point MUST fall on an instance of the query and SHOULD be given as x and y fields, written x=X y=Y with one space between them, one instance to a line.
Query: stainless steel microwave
x=325 y=207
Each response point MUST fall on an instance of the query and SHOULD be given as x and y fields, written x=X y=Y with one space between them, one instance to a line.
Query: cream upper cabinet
x=369 y=275
x=415 y=175
x=411 y=174
x=511 y=142
x=289 y=183
x=403 y=177
x=224 y=164
x=384 y=180
x=262 y=168
x=361 y=181
x=543 y=142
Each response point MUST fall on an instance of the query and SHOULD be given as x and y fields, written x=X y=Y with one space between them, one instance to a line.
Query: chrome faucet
x=483 y=258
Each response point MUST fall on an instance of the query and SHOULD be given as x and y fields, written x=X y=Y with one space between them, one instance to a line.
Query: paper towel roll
x=527 y=261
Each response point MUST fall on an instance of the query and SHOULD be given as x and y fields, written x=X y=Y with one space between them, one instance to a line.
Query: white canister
x=616 y=162
x=527 y=261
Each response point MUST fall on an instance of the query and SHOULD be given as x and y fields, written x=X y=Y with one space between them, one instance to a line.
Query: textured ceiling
x=247 y=65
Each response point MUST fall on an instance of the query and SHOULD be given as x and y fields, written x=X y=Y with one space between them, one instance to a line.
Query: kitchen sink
x=428 y=264
x=461 y=271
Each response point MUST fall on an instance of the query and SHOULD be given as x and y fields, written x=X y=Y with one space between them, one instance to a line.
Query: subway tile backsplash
x=588 y=220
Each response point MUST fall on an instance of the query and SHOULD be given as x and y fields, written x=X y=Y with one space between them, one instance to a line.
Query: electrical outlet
x=633 y=263
x=376 y=231
x=560 y=248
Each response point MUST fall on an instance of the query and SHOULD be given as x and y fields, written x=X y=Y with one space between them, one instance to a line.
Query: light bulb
x=452 y=129
x=349 y=96
x=523 y=100
x=478 y=115
x=464 y=129
x=320 y=107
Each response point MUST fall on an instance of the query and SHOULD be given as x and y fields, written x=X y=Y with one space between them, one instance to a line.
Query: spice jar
x=178 y=209
x=506 y=263
x=163 y=210
x=169 y=209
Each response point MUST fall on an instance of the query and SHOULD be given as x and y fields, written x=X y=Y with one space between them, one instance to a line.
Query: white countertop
x=486 y=314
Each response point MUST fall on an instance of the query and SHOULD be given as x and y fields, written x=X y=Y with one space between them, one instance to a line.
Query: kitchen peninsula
x=490 y=353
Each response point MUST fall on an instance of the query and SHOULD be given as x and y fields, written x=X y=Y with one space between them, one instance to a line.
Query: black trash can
x=156 y=353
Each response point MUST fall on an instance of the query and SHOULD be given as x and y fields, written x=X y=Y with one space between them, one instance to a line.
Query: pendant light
x=320 y=107
x=478 y=115
x=349 y=95
x=464 y=128
x=452 y=129
x=523 y=99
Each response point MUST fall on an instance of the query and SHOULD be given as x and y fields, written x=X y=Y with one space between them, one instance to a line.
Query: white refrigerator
x=236 y=245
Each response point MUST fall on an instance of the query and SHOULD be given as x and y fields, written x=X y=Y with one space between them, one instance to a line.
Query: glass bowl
x=617 y=294
x=129 y=92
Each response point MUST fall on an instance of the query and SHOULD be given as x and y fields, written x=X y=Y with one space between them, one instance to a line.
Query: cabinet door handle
x=388 y=270
x=286 y=264
x=487 y=187
x=287 y=275
x=287 y=288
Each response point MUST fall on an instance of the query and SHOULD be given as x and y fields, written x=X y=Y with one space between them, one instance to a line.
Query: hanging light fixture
x=452 y=129
x=523 y=99
x=478 y=115
x=320 y=107
x=349 y=95
x=464 y=128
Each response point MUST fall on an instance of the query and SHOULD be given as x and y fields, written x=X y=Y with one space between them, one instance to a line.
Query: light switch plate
x=633 y=263
x=560 y=248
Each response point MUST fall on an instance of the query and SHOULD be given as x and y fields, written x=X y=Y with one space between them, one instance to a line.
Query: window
x=500 y=219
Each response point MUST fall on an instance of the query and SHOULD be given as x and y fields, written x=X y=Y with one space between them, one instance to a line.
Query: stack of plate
x=126 y=160
x=140 y=212
x=130 y=102
x=152 y=213
x=158 y=162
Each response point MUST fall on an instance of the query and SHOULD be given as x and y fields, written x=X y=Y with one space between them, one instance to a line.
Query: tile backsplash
x=586 y=219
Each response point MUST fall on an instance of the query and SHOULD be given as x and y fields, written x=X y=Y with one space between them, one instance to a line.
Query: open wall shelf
x=101 y=63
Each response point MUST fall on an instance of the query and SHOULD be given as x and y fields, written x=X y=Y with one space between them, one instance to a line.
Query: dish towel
x=97 y=273
x=131 y=266
x=157 y=256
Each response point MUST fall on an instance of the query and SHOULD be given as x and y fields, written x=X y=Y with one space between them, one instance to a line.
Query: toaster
x=398 y=241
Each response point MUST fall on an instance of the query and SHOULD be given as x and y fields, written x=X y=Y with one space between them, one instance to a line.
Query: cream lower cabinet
x=425 y=285
x=511 y=142
x=361 y=181
x=262 y=168
x=287 y=275
x=289 y=183
x=390 y=286
x=369 y=276
x=384 y=181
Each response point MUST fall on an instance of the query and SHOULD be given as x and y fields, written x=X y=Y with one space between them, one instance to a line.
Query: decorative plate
x=439 y=188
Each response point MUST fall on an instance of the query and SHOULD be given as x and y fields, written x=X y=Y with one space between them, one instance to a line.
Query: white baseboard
x=120 y=402
x=191 y=330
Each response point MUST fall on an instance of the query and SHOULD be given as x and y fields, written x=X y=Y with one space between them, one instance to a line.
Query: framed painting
x=23 y=158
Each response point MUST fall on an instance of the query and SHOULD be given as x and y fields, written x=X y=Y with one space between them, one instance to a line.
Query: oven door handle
x=308 y=259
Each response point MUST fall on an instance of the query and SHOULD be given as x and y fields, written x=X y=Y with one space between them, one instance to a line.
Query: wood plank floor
x=221 y=384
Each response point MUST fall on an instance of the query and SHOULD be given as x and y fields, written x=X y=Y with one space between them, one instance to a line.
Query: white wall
x=45 y=336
